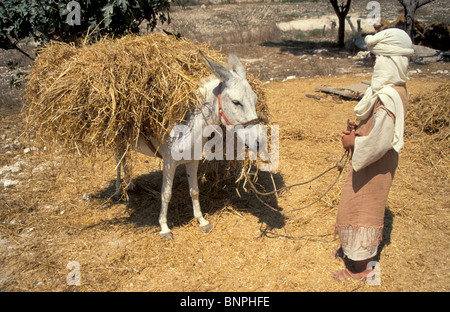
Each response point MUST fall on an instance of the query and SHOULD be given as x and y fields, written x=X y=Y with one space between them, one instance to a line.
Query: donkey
x=226 y=99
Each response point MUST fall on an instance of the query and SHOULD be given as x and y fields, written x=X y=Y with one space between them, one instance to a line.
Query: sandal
x=338 y=253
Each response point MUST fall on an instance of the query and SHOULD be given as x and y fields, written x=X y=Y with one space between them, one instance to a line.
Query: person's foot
x=346 y=275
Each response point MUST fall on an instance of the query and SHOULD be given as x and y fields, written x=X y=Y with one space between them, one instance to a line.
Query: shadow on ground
x=297 y=48
x=218 y=190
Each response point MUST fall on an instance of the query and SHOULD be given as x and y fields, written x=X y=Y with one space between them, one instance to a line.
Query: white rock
x=317 y=51
x=424 y=51
x=29 y=149
x=37 y=169
x=86 y=196
x=12 y=168
x=361 y=55
x=289 y=78
x=10 y=183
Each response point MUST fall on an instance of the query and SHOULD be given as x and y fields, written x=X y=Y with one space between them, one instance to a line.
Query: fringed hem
x=359 y=242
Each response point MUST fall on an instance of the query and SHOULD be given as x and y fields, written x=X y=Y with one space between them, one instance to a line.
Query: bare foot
x=346 y=274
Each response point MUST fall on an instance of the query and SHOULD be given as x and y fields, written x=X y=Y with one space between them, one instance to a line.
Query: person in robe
x=375 y=143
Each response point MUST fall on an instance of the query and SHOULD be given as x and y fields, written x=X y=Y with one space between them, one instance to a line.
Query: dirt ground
x=60 y=211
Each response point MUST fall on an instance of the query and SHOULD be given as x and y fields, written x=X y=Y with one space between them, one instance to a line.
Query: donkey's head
x=237 y=99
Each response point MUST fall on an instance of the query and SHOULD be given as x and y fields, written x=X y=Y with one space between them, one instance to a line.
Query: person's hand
x=348 y=139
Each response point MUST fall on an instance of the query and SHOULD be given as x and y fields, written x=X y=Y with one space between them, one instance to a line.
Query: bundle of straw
x=428 y=128
x=430 y=113
x=103 y=95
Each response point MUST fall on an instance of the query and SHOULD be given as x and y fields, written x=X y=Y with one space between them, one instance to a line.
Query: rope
x=340 y=165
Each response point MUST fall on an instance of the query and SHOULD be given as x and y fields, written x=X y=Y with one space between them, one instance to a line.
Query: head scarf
x=392 y=47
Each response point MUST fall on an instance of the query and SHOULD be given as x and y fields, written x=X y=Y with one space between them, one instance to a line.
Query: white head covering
x=392 y=47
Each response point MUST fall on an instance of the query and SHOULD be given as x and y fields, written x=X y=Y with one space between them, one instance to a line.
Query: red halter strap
x=221 y=113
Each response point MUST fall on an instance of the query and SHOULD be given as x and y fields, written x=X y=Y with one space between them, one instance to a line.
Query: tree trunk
x=410 y=7
x=341 y=12
x=341 y=32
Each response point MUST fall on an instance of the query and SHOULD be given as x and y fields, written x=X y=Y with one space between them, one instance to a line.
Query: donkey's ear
x=236 y=65
x=218 y=70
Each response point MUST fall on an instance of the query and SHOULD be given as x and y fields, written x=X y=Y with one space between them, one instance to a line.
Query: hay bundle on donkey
x=102 y=96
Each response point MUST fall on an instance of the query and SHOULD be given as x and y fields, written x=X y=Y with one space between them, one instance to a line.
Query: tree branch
x=347 y=7
x=9 y=45
x=415 y=3
x=423 y=2
x=23 y=52
x=342 y=10
x=335 y=6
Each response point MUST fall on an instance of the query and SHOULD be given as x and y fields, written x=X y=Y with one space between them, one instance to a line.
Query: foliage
x=45 y=20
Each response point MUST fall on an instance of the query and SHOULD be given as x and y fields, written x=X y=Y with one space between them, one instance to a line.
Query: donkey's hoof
x=206 y=228
x=167 y=235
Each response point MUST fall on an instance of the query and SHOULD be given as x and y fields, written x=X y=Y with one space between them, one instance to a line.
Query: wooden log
x=342 y=92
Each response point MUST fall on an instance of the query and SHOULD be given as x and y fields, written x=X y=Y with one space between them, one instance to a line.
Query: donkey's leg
x=129 y=183
x=121 y=164
x=166 y=195
x=191 y=170
x=118 y=193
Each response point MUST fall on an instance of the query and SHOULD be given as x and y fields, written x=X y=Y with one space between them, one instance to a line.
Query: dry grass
x=44 y=224
x=102 y=96
x=429 y=113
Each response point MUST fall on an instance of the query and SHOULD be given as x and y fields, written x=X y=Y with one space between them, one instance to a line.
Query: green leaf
x=108 y=9
x=42 y=20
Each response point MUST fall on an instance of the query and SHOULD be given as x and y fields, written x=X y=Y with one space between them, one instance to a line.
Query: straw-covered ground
x=46 y=224
x=56 y=209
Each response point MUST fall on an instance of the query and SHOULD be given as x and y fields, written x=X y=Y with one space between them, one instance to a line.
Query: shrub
x=45 y=20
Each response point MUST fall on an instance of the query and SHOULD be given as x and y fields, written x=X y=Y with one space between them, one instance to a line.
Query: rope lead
x=340 y=165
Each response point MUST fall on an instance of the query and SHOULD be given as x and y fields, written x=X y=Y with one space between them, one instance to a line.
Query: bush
x=45 y=20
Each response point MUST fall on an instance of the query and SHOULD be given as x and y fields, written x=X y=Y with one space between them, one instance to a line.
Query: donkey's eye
x=236 y=102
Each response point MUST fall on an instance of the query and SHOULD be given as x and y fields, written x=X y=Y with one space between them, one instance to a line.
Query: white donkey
x=227 y=99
